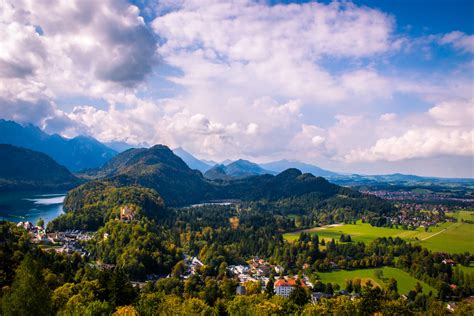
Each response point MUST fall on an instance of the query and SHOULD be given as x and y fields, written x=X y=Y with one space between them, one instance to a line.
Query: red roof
x=289 y=282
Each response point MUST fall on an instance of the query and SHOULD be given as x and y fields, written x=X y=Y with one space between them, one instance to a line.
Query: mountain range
x=27 y=170
x=238 y=169
x=160 y=169
x=86 y=153
x=229 y=169
x=76 y=153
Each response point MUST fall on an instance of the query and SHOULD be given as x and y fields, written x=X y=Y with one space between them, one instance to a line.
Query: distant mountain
x=160 y=169
x=191 y=161
x=27 y=170
x=76 y=154
x=217 y=172
x=238 y=169
x=281 y=165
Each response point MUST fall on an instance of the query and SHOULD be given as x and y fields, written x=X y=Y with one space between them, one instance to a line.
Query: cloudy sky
x=365 y=86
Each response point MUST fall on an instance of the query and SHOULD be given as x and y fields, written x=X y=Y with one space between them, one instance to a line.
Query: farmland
x=446 y=237
x=405 y=281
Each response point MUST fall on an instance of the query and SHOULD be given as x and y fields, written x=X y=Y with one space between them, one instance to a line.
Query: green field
x=469 y=269
x=447 y=237
x=405 y=281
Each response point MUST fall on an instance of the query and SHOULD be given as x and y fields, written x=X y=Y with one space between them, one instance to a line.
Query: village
x=62 y=242
x=257 y=273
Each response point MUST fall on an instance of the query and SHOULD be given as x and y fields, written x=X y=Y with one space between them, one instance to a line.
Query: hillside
x=26 y=170
x=91 y=205
x=160 y=169
x=76 y=153
x=238 y=169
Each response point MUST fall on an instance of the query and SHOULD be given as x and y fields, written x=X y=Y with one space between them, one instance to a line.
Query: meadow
x=405 y=281
x=446 y=237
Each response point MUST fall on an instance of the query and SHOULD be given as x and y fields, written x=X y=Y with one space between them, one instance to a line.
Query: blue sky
x=362 y=86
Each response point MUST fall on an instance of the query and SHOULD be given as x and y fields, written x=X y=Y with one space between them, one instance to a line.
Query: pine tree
x=121 y=291
x=270 y=289
x=299 y=295
x=29 y=292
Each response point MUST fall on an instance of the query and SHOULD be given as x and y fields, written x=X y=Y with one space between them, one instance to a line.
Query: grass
x=465 y=215
x=405 y=281
x=446 y=237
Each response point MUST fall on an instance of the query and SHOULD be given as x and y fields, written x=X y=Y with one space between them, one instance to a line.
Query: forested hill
x=160 y=169
x=27 y=170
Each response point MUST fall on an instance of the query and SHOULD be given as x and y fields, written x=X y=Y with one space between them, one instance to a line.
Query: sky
x=369 y=87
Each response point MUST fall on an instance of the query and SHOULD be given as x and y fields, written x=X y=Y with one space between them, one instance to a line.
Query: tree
x=253 y=287
x=40 y=222
x=210 y=292
x=270 y=288
x=329 y=289
x=392 y=285
x=418 y=288
x=349 y=287
x=357 y=285
x=378 y=274
x=29 y=292
x=120 y=288
x=125 y=311
x=299 y=295
x=179 y=269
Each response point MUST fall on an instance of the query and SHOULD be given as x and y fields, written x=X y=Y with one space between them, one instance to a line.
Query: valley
x=145 y=223
x=448 y=237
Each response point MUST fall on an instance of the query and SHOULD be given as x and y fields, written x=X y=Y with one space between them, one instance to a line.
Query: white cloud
x=263 y=50
x=454 y=113
x=84 y=48
x=445 y=129
x=459 y=40
x=417 y=143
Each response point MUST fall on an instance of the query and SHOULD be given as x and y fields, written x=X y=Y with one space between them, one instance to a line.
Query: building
x=284 y=287
x=240 y=290
x=126 y=213
x=450 y=262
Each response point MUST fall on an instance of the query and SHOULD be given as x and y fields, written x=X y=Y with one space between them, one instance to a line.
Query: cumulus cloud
x=454 y=113
x=417 y=143
x=83 y=46
x=273 y=50
x=445 y=129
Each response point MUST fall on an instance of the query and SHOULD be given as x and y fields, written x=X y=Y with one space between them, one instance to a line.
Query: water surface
x=20 y=207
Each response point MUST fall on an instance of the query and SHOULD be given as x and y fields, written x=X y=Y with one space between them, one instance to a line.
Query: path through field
x=434 y=234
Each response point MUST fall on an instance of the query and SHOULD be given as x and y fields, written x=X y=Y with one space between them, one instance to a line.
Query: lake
x=20 y=207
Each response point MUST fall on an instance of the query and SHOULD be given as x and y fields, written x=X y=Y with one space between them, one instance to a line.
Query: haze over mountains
x=76 y=153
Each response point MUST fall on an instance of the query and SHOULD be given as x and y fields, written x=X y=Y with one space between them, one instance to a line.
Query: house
x=126 y=213
x=284 y=287
x=240 y=290
x=316 y=296
x=449 y=262
x=196 y=264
